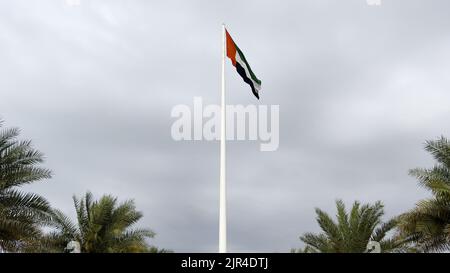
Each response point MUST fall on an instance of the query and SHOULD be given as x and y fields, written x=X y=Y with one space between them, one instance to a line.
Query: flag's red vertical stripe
x=231 y=49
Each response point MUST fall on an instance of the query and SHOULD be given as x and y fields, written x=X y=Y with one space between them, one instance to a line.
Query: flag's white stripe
x=242 y=63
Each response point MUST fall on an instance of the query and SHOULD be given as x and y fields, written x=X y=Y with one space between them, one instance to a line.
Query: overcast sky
x=360 y=89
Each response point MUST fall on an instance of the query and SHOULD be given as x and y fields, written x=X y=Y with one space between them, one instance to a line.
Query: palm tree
x=352 y=231
x=21 y=214
x=102 y=226
x=428 y=224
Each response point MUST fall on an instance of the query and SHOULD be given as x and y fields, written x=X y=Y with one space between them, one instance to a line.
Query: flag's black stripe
x=241 y=72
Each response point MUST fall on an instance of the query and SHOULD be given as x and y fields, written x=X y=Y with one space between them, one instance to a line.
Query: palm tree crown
x=352 y=231
x=103 y=226
x=428 y=224
x=21 y=214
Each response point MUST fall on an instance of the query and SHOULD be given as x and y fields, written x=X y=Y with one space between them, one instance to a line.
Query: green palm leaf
x=427 y=225
x=352 y=231
x=102 y=226
x=21 y=214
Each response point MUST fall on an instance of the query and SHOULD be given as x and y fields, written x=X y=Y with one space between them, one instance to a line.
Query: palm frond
x=21 y=214
x=353 y=230
x=427 y=224
x=103 y=226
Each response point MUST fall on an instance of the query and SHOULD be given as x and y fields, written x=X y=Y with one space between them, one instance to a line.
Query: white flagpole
x=222 y=186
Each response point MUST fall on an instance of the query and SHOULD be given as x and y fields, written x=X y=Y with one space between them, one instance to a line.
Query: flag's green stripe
x=242 y=72
x=254 y=78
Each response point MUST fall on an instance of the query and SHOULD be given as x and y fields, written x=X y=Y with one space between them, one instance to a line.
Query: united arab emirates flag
x=243 y=68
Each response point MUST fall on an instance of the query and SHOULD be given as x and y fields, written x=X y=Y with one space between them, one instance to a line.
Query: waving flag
x=243 y=68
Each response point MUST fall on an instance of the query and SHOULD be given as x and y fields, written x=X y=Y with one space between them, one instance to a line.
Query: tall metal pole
x=222 y=186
